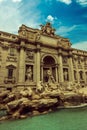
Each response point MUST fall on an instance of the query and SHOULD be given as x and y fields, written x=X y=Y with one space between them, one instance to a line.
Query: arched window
x=81 y=75
x=10 y=74
x=48 y=65
x=75 y=75
x=10 y=71
x=12 y=51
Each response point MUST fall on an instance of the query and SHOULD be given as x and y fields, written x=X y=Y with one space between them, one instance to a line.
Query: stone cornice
x=74 y=49
x=62 y=51
x=7 y=45
x=22 y=38
x=8 y=36
x=79 y=52
x=45 y=39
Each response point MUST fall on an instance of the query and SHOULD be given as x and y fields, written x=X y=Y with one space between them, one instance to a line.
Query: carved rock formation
x=43 y=99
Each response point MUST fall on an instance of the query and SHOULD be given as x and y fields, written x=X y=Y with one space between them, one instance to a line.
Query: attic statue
x=47 y=29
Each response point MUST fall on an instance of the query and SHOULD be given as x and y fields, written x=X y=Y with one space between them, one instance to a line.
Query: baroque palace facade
x=25 y=58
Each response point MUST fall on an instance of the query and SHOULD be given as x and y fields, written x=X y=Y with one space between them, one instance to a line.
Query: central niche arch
x=48 y=60
x=49 y=63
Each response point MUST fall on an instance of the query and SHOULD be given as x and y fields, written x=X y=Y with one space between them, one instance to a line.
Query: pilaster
x=71 y=72
x=78 y=78
x=22 y=62
x=60 y=69
x=56 y=68
x=42 y=72
x=3 y=70
x=38 y=63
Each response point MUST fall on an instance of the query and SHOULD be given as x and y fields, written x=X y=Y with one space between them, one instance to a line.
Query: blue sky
x=69 y=17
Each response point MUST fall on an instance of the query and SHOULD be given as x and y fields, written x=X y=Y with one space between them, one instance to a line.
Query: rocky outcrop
x=43 y=99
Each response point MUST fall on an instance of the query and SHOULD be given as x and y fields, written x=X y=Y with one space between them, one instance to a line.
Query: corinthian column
x=56 y=68
x=71 y=72
x=38 y=63
x=22 y=63
x=60 y=69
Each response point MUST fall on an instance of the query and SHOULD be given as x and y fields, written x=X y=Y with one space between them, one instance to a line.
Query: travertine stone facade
x=25 y=58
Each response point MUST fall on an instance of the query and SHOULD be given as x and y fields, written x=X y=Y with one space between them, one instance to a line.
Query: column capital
x=60 y=51
x=38 y=48
x=70 y=55
x=22 y=44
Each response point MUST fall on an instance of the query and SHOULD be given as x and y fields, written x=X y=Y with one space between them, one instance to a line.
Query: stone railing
x=79 y=52
x=9 y=80
x=8 y=36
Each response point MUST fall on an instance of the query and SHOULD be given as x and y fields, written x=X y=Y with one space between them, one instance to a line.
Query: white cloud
x=31 y=15
x=14 y=15
x=51 y=19
x=10 y=0
x=64 y=30
x=9 y=16
x=80 y=45
x=16 y=0
x=1 y=0
x=66 y=1
x=82 y=2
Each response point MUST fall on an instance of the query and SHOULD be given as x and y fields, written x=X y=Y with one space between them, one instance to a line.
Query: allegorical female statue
x=29 y=74
x=50 y=77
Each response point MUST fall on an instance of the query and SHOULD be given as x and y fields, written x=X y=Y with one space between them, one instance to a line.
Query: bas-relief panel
x=64 y=44
x=11 y=58
x=65 y=60
x=29 y=56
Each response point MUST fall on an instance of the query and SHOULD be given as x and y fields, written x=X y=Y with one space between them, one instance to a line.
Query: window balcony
x=9 y=80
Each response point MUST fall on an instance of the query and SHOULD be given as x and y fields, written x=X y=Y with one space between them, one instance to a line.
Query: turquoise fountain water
x=63 y=119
